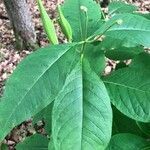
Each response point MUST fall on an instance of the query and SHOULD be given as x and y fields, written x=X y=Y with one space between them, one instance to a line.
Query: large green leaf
x=34 y=84
x=134 y=28
x=129 y=28
x=83 y=23
x=82 y=116
x=128 y=141
x=129 y=89
x=121 y=7
x=35 y=142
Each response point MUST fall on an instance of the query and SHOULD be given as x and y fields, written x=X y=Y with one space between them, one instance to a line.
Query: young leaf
x=129 y=89
x=128 y=141
x=121 y=7
x=82 y=115
x=35 y=142
x=83 y=16
x=64 y=24
x=47 y=24
x=47 y=69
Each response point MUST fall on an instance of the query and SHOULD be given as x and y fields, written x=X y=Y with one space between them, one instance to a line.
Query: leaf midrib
x=128 y=29
x=125 y=86
x=111 y=12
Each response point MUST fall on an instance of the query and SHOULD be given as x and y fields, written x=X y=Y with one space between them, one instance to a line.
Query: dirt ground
x=9 y=57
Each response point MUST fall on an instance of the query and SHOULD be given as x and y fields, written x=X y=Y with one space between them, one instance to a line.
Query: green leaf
x=109 y=43
x=145 y=15
x=51 y=145
x=4 y=147
x=123 y=53
x=83 y=23
x=142 y=61
x=47 y=24
x=47 y=69
x=121 y=7
x=123 y=124
x=117 y=49
x=95 y=57
x=129 y=89
x=46 y=116
x=145 y=127
x=82 y=114
x=128 y=141
x=131 y=29
x=35 y=142
x=127 y=27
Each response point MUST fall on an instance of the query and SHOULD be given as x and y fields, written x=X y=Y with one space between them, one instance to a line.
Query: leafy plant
x=65 y=85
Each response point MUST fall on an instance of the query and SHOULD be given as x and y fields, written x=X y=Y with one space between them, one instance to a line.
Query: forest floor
x=9 y=57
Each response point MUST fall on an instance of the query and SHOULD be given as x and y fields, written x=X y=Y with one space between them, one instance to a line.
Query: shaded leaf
x=123 y=124
x=142 y=61
x=145 y=127
x=4 y=147
x=123 y=53
x=35 y=142
x=128 y=141
x=46 y=116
